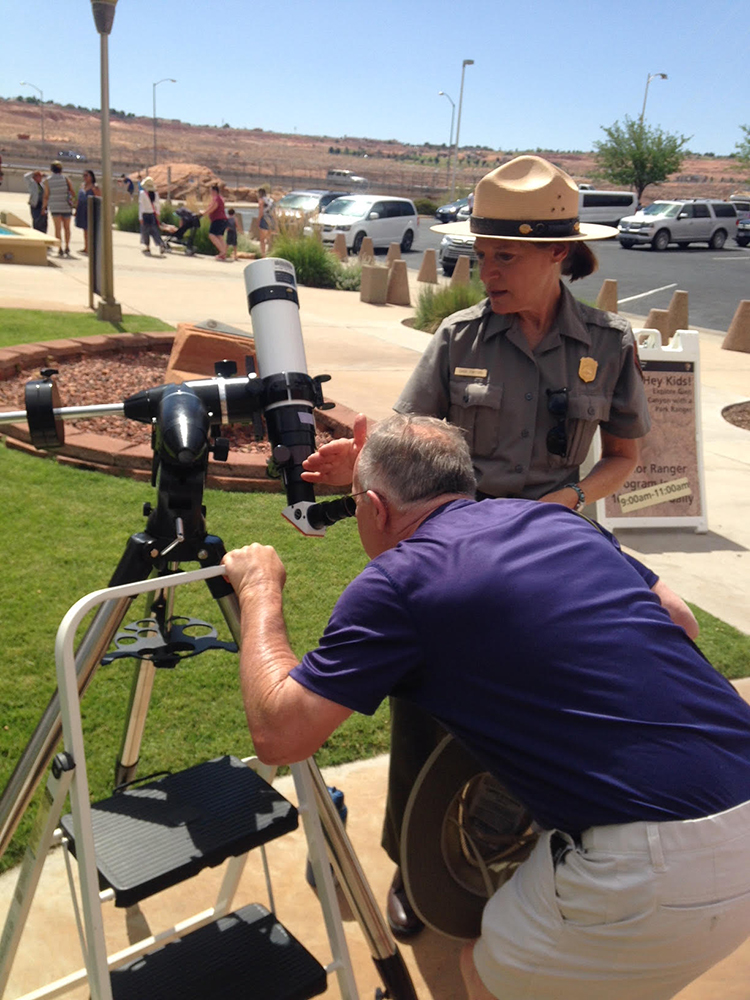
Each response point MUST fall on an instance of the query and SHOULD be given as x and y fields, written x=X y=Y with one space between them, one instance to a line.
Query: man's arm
x=619 y=458
x=287 y=721
x=677 y=609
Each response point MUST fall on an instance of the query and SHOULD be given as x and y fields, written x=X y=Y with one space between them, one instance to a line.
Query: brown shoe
x=402 y=919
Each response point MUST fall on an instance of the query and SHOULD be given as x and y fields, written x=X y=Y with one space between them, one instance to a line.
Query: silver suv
x=692 y=220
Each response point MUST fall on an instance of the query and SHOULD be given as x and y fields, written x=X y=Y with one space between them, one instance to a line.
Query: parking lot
x=716 y=280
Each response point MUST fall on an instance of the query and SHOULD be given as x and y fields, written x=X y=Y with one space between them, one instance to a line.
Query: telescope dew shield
x=273 y=303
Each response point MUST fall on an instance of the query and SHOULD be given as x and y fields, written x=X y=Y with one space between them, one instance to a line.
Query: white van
x=605 y=207
x=384 y=219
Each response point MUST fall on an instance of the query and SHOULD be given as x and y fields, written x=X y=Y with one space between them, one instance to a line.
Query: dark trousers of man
x=39 y=218
x=414 y=735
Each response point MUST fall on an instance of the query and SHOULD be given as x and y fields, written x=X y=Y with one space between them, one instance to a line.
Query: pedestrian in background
x=128 y=185
x=34 y=180
x=218 y=218
x=59 y=198
x=231 y=234
x=149 y=208
x=266 y=220
x=87 y=190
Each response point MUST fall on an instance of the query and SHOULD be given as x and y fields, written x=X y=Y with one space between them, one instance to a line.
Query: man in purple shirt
x=556 y=660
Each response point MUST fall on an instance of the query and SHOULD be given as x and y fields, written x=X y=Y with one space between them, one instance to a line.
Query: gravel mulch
x=111 y=378
x=739 y=415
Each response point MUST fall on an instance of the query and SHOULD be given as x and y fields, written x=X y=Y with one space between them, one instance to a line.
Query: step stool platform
x=152 y=836
x=247 y=955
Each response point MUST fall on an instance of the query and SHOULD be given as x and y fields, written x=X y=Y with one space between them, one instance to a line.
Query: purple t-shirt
x=533 y=639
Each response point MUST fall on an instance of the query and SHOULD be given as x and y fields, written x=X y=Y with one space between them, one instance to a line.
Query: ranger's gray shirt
x=480 y=373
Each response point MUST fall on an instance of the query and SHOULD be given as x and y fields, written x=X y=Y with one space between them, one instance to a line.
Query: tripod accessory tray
x=156 y=835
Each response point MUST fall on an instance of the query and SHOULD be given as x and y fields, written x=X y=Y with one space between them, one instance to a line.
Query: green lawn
x=26 y=326
x=64 y=533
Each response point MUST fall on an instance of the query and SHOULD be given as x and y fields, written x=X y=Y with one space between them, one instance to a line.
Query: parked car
x=302 y=204
x=742 y=233
x=70 y=154
x=605 y=208
x=385 y=220
x=449 y=212
x=453 y=247
x=691 y=220
x=741 y=203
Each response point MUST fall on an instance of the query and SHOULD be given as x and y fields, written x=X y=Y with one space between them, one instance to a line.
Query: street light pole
x=108 y=309
x=466 y=62
x=41 y=102
x=167 y=79
x=442 y=93
x=651 y=76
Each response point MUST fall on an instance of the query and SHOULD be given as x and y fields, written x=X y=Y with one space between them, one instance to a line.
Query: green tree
x=638 y=155
x=743 y=147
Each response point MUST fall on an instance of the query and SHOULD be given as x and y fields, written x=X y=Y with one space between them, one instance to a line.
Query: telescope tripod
x=202 y=816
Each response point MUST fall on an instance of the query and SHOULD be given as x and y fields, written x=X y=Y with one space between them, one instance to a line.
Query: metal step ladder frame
x=73 y=779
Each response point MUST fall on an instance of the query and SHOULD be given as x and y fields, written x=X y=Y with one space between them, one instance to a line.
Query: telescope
x=186 y=419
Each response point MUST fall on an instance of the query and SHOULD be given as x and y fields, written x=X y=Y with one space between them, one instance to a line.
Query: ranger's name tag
x=471 y=372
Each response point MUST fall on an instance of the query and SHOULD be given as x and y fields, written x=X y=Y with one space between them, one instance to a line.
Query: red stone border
x=243 y=472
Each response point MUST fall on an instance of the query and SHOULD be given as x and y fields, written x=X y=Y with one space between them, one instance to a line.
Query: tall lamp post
x=442 y=93
x=41 y=101
x=466 y=62
x=167 y=79
x=108 y=309
x=651 y=76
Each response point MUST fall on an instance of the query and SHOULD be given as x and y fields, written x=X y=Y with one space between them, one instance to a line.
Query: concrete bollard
x=738 y=335
x=658 y=319
x=394 y=253
x=678 y=313
x=374 y=285
x=366 y=251
x=398 y=284
x=428 y=270
x=462 y=271
x=339 y=247
x=607 y=297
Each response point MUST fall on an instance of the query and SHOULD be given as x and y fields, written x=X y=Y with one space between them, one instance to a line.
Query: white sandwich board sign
x=667 y=487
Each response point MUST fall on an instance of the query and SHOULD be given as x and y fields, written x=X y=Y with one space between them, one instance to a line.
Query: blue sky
x=546 y=74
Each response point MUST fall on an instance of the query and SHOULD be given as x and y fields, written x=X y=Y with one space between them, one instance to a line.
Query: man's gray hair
x=412 y=458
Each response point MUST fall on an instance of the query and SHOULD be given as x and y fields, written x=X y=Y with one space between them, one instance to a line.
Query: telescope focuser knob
x=147 y=509
x=225 y=368
x=319 y=402
x=49 y=372
x=221 y=449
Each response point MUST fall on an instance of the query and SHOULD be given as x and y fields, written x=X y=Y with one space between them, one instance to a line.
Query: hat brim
x=446 y=892
x=587 y=231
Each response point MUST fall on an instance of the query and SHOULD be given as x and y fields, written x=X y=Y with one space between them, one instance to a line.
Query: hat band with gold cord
x=534 y=229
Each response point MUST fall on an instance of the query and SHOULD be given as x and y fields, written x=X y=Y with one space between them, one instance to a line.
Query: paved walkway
x=369 y=353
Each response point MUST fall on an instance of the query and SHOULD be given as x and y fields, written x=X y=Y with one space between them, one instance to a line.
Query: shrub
x=426 y=206
x=126 y=218
x=349 y=277
x=315 y=266
x=435 y=304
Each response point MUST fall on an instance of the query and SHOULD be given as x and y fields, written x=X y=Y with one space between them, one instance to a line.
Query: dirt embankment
x=240 y=160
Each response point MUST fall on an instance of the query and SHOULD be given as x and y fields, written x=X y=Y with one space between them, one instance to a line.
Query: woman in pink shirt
x=218 y=216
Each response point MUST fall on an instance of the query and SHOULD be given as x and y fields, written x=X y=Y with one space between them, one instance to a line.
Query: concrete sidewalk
x=369 y=353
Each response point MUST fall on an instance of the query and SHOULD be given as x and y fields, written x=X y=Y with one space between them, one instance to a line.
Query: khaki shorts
x=633 y=912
